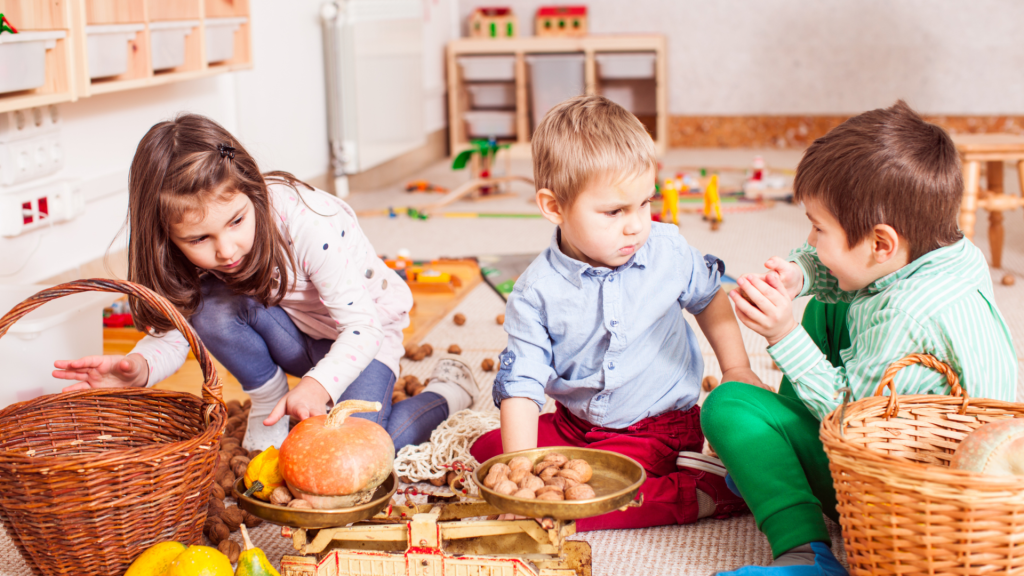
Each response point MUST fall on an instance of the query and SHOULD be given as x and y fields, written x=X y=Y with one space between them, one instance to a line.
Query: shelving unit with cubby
x=629 y=69
x=116 y=45
x=20 y=58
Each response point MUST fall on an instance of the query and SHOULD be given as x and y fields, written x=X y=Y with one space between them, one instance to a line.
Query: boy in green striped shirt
x=892 y=275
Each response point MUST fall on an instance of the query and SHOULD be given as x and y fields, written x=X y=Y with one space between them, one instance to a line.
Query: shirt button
x=611 y=365
x=615 y=322
x=611 y=279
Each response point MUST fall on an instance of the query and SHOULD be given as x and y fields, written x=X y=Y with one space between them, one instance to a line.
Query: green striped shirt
x=940 y=304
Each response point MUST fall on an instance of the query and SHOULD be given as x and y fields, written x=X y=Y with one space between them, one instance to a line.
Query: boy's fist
x=764 y=306
x=790 y=277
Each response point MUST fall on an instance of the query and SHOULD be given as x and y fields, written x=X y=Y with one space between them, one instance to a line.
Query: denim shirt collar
x=573 y=270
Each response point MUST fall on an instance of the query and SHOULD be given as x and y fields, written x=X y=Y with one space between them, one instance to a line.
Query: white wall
x=277 y=110
x=743 y=57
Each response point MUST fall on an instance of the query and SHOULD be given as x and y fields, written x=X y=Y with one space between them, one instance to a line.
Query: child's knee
x=723 y=407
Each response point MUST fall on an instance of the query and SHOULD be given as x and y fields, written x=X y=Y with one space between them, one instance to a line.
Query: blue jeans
x=252 y=341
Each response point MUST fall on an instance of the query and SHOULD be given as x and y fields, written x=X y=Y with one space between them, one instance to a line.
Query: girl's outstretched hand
x=308 y=398
x=103 y=372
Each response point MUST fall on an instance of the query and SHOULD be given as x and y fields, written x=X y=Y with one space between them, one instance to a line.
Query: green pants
x=769 y=443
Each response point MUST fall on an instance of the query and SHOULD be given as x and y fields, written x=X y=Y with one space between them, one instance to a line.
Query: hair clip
x=226 y=150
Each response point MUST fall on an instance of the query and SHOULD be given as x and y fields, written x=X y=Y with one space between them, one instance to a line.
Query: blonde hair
x=584 y=138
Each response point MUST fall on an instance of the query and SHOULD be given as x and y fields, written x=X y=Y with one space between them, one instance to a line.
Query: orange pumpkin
x=334 y=461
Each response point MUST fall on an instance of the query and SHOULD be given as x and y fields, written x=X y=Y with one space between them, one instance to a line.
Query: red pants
x=670 y=496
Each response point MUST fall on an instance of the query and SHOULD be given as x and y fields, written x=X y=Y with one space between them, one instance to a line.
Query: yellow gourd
x=252 y=561
x=200 y=561
x=263 y=468
x=156 y=559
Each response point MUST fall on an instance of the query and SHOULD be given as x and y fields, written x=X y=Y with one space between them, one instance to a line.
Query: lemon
x=155 y=560
x=200 y=561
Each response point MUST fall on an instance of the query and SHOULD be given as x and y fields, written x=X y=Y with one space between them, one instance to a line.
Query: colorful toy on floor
x=6 y=26
x=561 y=21
x=493 y=22
x=423 y=186
x=669 y=202
x=480 y=157
x=712 y=203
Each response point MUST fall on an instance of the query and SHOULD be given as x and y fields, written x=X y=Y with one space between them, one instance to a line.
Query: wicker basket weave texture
x=902 y=509
x=92 y=478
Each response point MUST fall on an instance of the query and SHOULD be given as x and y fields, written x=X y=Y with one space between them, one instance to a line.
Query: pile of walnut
x=553 y=478
x=232 y=460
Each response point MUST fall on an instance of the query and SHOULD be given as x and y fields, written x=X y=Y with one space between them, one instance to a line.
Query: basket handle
x=893 y=408
x=211 y=381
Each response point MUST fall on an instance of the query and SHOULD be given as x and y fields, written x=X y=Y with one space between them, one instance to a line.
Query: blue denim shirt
x=612 y=346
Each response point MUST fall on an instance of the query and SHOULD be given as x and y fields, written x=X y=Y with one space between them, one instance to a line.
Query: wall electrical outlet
x=29 y=207
x=30 y=145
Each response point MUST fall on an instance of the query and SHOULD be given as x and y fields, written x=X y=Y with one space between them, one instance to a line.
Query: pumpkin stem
x=343 y=409
x=245 y=536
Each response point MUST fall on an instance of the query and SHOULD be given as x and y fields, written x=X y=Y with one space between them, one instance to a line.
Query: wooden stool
x=993 y=150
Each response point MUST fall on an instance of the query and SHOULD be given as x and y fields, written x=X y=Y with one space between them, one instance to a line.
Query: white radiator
x=373 y=53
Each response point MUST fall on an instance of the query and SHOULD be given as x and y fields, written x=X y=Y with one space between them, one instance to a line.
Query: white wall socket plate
x=30 y=159
x=25 y=124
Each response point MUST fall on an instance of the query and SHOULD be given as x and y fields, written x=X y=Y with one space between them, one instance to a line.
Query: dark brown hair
x=178 y=167
x=887 y=166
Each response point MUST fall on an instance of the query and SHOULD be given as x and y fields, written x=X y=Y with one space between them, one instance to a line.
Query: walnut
x=500 y=467
x=459 y=319
x=397 y=396
x=547 y=488
x=493 y=478
x=233 y=406
x=253 y=453
x=487 y=365
x=427 y=349
x=581 y=492
x=556 y=457
x=569 y=483
x=217 y=492
x=239 y=433
x=247 y=404
x=581 y=467
x=500 y=319
x=571 y=474
x=531 y=482
x=454 y=349
x=251 y=521
x=557 y=481
x=549 y=472
x=418 y=389
x=506 y=487
x=230 y=549
x=215 y=507
x=238 y=459
x=411 y=383
x=525 y=493
x=233 y=423
x=419 y=355
x=299 y=503
x=218 y=532
x=551 y=496
x=708 y=383
x=239 y=468
x=410 y=350
x=542 y=465
x=439 y=481
x=233 y=517
x=518 y=474
x=281 y=496
x=520 y=463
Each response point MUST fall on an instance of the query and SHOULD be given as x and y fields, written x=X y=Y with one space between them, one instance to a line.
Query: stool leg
x=969 y=204
x=996 y=233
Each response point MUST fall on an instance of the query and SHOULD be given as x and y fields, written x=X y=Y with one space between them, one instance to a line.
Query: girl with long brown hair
x=276 y=277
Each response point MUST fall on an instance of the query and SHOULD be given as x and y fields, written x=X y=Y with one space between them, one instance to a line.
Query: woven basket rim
x=113 y=456
x=833 y=441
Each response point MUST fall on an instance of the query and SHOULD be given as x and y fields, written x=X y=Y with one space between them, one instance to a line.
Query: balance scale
x=449 y=537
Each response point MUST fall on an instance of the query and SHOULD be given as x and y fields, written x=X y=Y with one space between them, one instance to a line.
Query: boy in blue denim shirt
x=596 y=322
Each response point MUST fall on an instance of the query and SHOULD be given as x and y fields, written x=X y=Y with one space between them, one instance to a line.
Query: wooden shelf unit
x=520 y=47
x=67 y=73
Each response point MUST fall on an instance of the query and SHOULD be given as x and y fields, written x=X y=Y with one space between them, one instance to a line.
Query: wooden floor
x=428 y=309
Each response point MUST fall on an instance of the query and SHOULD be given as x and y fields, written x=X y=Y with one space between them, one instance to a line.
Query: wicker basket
x=90 y=479
x=902 y=509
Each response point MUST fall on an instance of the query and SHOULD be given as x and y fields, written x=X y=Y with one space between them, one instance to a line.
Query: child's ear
x=886 y=243
x=548 y=205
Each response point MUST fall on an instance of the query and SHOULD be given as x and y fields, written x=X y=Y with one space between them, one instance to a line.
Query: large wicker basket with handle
x=902 y=509
x=90 y=479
